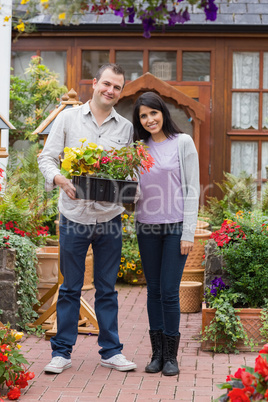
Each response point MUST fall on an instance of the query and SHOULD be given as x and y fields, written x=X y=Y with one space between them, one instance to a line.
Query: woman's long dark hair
x=154 y=101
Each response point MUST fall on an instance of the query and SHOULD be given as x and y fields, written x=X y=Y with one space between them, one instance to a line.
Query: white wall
x=5 y=52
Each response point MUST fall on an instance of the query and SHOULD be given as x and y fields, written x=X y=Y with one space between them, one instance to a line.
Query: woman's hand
x=186 y=246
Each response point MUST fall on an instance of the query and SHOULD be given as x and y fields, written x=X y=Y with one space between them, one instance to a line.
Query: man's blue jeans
x=106 y=240
x=163 y=266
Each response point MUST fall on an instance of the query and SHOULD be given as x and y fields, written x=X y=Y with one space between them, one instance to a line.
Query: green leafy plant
x=238 y=193
x=248 y=383
x=226 y=329
x=130 y=270
x=13 y=373
x=92 y=160
x=243 y=244
x=32 y=98
x=26 y=276
x=23 y=199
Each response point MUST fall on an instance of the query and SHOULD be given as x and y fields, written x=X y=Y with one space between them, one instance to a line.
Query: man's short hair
x=116 y=69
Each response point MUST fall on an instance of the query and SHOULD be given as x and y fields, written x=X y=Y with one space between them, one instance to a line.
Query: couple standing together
x=166 y=216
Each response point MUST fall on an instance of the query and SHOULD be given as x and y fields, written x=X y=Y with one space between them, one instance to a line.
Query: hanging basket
x=99 y=189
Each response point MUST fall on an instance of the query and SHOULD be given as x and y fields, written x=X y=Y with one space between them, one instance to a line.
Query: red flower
x=229 y=377
x=264 y=349
x=261 y=367
x=3 y=358
x=238 y=373
x=14 y=393
x=266 y=394
x=241 y=395
x=247 y=378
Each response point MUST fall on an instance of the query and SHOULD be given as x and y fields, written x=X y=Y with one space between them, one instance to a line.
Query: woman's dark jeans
x=163 y=266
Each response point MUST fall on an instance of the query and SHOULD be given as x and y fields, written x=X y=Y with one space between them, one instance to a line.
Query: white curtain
x=56 y=61
x=244 y=158
x=245 y=106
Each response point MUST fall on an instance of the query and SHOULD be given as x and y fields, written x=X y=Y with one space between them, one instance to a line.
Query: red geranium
x=244 y=385
x=14 y=393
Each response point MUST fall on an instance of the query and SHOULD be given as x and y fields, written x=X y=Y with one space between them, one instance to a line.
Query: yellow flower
x=122 y=259
x=66 y=164
x=120 y=274
x=124 y=230
x=20 y=27
x=24 y=1
x=129 y=265
x=135 y=280
x=19 y=346
x=83 y=139
x=92 y=145
x=44 y=1
x=7 y=18
x=133 y=267
x=125 y=216
x=139 y=272
x=18 y=335
x=100 y=147
x=62 y=16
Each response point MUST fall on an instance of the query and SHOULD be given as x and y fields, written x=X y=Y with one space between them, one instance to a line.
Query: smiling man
x=85 y=222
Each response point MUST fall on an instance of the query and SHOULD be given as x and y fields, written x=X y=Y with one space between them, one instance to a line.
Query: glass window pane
x=92 y=60
x=245 y=111
x=244 y=158
x=265 y=70
x=20 y=61
x=56 y=61
x=163 y=65
x=196 y=66
x=246 y=70
x=265 y=112
x=132 y=63
x=264 y=158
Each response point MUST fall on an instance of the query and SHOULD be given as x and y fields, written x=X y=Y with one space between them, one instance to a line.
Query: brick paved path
x=88 y=381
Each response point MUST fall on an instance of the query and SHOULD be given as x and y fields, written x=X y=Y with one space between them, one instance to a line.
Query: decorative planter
x=47 y=270
x=195 y=275
x=251 y=321
x=190 y=296
x=99 y=189
x=202 y=224
x=195 y=257
x=134 y=278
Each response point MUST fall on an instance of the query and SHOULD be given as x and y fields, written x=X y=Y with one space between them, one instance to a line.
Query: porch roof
x=246 y=16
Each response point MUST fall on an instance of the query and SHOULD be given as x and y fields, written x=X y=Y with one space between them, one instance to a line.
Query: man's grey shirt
x=71 y=125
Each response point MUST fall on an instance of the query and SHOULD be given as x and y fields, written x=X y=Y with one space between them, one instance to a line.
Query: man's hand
x=66 y=185
x=186 y=246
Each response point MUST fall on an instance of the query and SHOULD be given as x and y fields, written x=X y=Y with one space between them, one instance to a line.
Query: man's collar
x=86 y=109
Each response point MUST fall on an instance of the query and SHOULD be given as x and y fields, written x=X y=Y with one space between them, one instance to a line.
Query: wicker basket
x=190 y=296
x=195 y=257
x=195 y=275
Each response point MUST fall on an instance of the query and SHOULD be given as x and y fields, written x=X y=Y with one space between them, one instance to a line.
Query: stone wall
x=213 y=264
x=8 y=292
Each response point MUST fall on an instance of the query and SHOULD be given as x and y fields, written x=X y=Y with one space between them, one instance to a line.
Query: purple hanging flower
x=119 y=12
x=148 y=26
x=210 y=9
x=131 y=14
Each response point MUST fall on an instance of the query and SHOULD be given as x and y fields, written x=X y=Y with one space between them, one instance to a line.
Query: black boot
x=157 y=357
x=170 y=351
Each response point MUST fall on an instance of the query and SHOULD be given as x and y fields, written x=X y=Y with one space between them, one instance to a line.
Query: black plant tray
x=99 y=189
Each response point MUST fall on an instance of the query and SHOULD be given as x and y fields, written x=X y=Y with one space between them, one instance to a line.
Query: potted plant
x=230 y=309
x=105 y=175
x=130 y=270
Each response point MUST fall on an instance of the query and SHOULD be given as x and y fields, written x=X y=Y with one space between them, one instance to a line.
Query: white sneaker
x=57 y=365
x=118 y=362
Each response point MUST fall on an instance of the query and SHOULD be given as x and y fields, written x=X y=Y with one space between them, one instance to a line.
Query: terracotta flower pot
x=195 y=275
x=251 y=321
